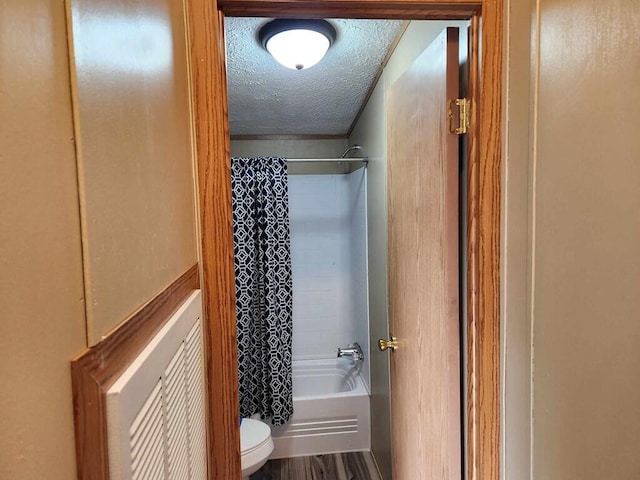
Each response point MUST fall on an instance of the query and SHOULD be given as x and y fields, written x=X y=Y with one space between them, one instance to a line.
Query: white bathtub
x=331 y=411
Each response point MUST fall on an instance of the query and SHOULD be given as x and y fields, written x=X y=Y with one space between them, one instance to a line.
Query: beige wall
x=138 y=206
x=42 y=324
x=586 y=280
x=571 y=269
x=516 y=242
x=134 y=153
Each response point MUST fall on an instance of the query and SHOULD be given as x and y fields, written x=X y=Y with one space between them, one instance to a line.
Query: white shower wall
x=329 y=264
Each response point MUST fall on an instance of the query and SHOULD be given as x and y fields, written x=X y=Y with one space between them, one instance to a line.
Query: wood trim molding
x=95 y=370
x=384 y=9
x=209 y=87
x=485 y=164
x=483 y=255
x=472 y=250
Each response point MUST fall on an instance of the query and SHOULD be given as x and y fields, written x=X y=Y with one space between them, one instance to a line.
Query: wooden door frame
x=204 y=20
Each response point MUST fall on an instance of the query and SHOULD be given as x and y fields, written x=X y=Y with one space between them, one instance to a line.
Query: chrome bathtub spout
x=353 y=350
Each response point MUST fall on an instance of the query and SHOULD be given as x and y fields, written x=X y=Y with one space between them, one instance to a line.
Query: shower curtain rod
x=364 y=160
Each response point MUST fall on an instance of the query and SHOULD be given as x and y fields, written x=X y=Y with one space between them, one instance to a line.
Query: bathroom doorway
x=482 y=256
x=336 y=236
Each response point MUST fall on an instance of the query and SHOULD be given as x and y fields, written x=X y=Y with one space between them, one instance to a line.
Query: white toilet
x=255 y=445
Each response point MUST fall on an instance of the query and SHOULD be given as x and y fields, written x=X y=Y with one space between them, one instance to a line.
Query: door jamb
x=208 y=84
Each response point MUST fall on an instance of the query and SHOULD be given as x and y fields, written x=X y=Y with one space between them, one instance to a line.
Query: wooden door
x=423 y=266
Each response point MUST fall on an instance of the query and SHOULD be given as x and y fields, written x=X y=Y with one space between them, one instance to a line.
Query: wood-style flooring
x=338 y=466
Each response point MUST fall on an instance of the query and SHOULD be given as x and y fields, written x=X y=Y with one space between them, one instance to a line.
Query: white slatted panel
x=155 y=410
x=174 y=386
x=147 y=447
x=195 y=401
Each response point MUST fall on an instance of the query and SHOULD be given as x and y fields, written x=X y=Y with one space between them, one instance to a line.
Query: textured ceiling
x=266 y=98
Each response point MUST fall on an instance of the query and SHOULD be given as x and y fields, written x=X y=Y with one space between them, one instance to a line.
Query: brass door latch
x=391 y=344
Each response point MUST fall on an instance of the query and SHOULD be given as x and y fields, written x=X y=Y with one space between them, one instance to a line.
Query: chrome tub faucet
x=353 y=350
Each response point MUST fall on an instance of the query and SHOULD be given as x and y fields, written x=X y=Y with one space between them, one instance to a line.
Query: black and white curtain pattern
x=263 y=286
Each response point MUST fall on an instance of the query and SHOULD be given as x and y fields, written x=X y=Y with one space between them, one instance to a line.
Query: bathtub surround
x=329 y=262
x=263 y=286
x=358 y=271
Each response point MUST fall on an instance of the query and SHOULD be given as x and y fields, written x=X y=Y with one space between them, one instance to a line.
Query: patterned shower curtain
x=263 y=286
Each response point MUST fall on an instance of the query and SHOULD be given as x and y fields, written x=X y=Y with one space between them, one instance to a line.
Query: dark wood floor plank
x=339 y=466
x=342 y=470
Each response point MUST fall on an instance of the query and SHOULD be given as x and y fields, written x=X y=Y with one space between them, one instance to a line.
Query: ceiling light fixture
x=297 y=44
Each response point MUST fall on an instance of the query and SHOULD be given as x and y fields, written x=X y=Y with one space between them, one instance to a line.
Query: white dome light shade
x=297 y=44
x=298 y=49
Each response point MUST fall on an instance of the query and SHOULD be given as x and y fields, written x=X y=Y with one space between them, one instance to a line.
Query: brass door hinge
x=464 y=116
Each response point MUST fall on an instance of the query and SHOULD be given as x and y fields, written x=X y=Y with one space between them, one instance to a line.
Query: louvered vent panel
x=195 y=402
x=147 y=446
x=175 y=388
x=155 y=410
